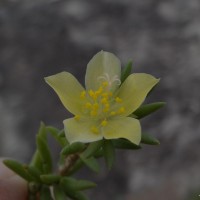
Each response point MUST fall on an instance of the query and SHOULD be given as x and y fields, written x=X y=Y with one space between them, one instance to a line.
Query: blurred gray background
x=42 y=37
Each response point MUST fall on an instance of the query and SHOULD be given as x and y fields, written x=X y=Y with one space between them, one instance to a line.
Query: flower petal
x=134 y=91
x=69 y=90
x=101 y=64
x=127 y=127
x=81 y=130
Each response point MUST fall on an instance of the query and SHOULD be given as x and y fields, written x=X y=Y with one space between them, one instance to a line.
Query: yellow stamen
x=93 y=113
x=110 y=94
x=94 y=129
x=105 y=94
x=106 y=107
x=77 y=117
x=121 y=110
x=104 y=122
x=99 y=91
x=118 y=100
x=92 y=94
x=104 y=100
x=95 y=106
x=105 y=83
x=112 y=113
x=83 y=93
x=88 y=105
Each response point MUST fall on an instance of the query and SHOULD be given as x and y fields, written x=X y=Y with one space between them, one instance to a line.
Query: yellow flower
x=102 y=108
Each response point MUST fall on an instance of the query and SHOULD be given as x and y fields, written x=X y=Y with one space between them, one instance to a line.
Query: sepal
x=76 y=185
x=19 y=169
x=45 y=193
x=56 y=134
x=148 y=139
x=109 y=153
x=92 y=149
x=126 y=71
x=73 y=148
x=50 y=179
x=148 y=109
x=59 y=194
x=34 y=172
x=44 y=153
x=91 y=163
x=78 y=196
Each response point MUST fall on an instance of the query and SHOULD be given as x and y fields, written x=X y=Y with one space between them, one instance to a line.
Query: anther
x=118 y=100
x=77 y=117
x=104 y=100
x=105 y=83
x=104 y=122
x=93 y=113
x=83 y=93
x=112 y=113
x=121 y=110
x=94 y=129
x=88 y=105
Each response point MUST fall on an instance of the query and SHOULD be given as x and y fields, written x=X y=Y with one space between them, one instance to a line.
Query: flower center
x=102 y=104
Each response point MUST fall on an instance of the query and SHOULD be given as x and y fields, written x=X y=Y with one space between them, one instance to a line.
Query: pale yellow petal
x=81 y=130
x=126 y=127
x=102 y=65
x=69 y=91
x=134 y=91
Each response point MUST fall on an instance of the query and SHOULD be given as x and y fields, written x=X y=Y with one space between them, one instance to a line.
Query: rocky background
x=42 y=37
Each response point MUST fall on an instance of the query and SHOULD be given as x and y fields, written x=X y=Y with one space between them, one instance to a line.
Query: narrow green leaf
x=45 y=193
x=79 y=196
x=76 y=185
x=55 y=133
x=34 y=188
x=148 y=139
x=78 y=164
x=59 y=194
x=84 y=185
x=67 y=183
x=32 y=196
x=42 y=130
x=36 y=161
x=124 y=144
x=44 y=153
x=34 y=172
x=99 y=153
x=50 y=179
x=19 y=169
x=109 y=153
x=92 y=149
x=126 y=71
x=73 y=148
x=147 y=109
x=62 y=134
x=91 y=163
